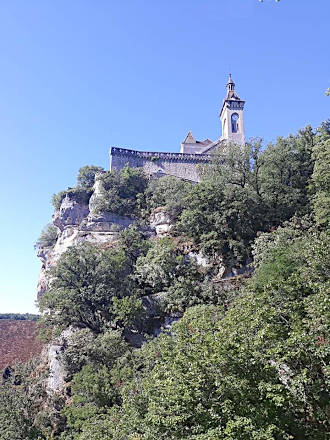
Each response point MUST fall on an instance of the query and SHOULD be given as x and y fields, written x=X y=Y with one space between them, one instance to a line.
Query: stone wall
x=184 y=166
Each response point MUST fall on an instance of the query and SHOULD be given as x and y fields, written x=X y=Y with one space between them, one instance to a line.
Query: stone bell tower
x=231 y=116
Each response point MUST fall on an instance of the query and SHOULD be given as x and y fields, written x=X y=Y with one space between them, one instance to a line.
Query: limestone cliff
x=78 y=222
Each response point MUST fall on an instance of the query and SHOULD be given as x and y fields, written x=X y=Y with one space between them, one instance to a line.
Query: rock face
x=79 y=222
x=160 y=221
x=54 y=355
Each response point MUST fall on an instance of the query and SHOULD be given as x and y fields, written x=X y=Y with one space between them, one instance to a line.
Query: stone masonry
x=182 y=165
x=194 y=154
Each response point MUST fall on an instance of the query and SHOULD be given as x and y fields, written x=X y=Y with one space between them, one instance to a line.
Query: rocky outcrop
x=160 y=221
x=70 y=213
x=78 y=222
x=53 y=354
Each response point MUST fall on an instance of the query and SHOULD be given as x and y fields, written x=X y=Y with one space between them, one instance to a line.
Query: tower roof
x=189 y=138
x=230 y=80
x=231 y=94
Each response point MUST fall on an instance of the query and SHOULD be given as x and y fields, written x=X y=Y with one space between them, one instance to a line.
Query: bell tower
x=231 y=116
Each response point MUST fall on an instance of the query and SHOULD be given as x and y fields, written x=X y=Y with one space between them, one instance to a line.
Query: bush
x=84 y=283
x=160 y=266
x=83 y=191
x=47 y=237
x=122 y=192
x=169 y=192
x=86 y=176
x=80 y=195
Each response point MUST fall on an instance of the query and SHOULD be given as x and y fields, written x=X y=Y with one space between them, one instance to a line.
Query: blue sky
x=79 y=76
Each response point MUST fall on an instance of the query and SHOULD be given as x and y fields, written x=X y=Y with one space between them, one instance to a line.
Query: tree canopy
x=245 y=273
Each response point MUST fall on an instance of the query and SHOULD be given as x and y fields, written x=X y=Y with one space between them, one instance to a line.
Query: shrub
x=86 y=176
x=47 y=237
x=169 y=192
x=122 y=191
x=80 y=195
x=85 y=281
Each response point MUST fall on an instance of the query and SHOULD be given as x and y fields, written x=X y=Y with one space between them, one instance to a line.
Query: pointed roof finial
x=230 y=84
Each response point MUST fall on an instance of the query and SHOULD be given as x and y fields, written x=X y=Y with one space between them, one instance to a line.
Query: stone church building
x=193 y=153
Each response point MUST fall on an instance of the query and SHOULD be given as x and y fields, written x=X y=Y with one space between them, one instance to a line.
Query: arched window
x=234 y=122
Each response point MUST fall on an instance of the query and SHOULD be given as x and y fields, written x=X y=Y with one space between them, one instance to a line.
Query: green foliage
x=247 y=190
x=223 y=213
x=189 y=290
x=285 y=170
x=122 y=191
x=246 y=361
x=160 y=266
x=84 y=348
x=83 y=191
x=320 y=183
x=80 y=195
x=286 y=234
x=20 y=404
x=169 y=192
x=47 y=237
x=86 y=176
x=229 y=376
x=85 y=280
x=133 y=243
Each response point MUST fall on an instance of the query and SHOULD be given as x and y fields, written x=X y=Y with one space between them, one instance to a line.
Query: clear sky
x=79 y=76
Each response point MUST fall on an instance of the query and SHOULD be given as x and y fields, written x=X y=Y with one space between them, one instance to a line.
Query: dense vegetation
x=249 y=358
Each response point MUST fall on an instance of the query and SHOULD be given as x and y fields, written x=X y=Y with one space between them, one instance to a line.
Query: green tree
x=320 y=183
x=123 y=191
x=224 y=212
x=160 y=266
x=21 y=398
x=286 y=168
x=169 y=192
x=47 y=237
x=259 y=371
x=86 y=176
x=84 y=283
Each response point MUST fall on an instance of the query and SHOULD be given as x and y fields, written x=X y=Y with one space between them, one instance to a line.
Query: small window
x=234 y=122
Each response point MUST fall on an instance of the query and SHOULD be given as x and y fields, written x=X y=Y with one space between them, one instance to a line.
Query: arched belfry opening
x=234 y=122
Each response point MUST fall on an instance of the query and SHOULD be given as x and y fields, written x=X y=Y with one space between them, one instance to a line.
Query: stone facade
x=194 y=154
x=182 y=165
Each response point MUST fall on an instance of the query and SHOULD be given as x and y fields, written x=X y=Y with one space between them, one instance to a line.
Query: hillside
x=179 y=311
x=18 y=341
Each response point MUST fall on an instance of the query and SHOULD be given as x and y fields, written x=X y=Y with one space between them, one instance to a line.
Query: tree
x=320 y=183
x=122 y=191
x=86 y=176
x=84 y=283
x=224 y=212
x=21 y=397
x=169 y=192
x=258 y=372
x=161 y=265
x=47 y=237
x=286 y=168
